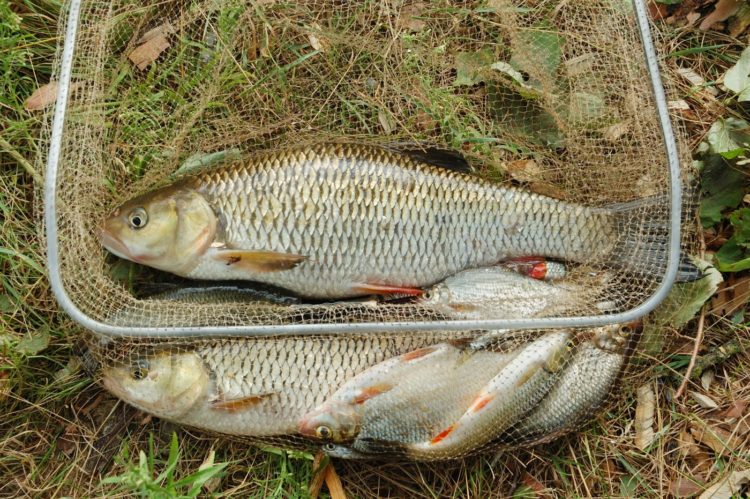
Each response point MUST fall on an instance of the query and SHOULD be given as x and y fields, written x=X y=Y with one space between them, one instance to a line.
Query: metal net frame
x=593 y=128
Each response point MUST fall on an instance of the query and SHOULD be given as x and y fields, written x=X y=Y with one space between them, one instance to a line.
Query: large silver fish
x=251 y=386
x=335 y=221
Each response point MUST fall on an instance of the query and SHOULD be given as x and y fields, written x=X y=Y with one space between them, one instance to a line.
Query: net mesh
x=552 y=97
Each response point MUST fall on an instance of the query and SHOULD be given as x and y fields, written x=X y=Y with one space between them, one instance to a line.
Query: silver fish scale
x=296 y=375
x=367 y=215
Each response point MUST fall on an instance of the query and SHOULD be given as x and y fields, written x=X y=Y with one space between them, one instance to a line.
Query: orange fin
x=440 y=436
x=416 y=354
x=370 y=392
x=384 y=289
x=259 y=261
x=238 y=404
x=480 y=402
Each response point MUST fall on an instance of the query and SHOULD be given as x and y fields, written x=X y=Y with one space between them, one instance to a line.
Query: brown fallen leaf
x=46 y=95
x=687 y=444
x=707 y=378
x=657 y=11
x=723 y=10
x=162 y=29
x=692 y=18
x=685 y=487
x=548 y=190
x=740 y=21
x=335 y=488
x=615 y=132
x=385 y=121
x=146 y=53
x=534 y=484
x=696 y=80
x=732 y=295
x=319 y=475
x=644 y=417
x=736 y=410
x=718 y=440
x=729 y=486
x=408 y=18
x=523 y=170
x=316 y=42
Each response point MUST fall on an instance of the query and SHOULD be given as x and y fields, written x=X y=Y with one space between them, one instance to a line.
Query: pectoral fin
x=259 y=261
x=371 y=391
x=238 y=404
x=385 y=289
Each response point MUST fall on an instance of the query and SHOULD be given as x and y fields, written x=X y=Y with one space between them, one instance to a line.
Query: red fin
x=259 y=261
x=416 y=354
x=384 y=289
x=480 y=402
x=531 y=266
x=440 y=436
x=538 y=271
x=370 y=392
x=238 y=404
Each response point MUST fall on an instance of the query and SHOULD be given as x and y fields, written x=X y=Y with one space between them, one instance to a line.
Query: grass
x=60 y=435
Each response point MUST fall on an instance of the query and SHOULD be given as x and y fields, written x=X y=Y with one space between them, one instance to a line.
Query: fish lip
x=113 y=244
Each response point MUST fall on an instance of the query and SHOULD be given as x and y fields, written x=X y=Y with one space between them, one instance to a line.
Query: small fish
x=251 y=386
x=224 y=294
x=497 y=292
x=403 y=399
x=507 y=397
x=340 y=220
x=582 y=386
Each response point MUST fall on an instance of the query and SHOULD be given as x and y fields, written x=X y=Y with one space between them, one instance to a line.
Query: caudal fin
x=643 y=248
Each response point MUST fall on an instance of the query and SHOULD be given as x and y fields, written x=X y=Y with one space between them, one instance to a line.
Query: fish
x=497 y=292
x=508 y=396
x=403 y=399
x=335 y=221
x=250 y=386
x=582 y=386
x=223 y=294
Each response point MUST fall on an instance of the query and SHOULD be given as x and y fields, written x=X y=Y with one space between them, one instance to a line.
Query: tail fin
x=643 y=226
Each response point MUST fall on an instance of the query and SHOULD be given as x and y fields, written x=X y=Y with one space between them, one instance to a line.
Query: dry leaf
x=684 y=487
x=524 y=170
x=163 y=29
x=644 y=417
x=696 y=80
x=718 y=440
x=687 y=444
x=533 y=484
x=548 y=190
x=46 y=95
x=408 y=18
x=732 y=295
x=579 y=65
x=729 y=486
x=613 y=133
x=707 y=378
x=736 y=410
x=740 y=21
x=723 y=10
x=678 y=105
x=146 y=53
x=315 y=42
x=335 y=488
x=704 y=400
x=385 y=121
x=692 y=18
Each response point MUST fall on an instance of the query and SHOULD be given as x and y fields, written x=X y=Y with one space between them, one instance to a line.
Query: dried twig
x=694 y=356
x=333 y=482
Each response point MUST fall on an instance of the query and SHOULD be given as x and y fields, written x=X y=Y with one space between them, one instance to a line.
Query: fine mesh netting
x=416 y=395
x=549 y=97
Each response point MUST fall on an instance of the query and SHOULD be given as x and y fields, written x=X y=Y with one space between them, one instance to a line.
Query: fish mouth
x=113 y=244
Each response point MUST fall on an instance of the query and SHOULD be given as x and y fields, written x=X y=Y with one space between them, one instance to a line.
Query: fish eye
x=323 y=432
x=139 y=370
x=427 y=295
x=138 y=218
x=329 y=447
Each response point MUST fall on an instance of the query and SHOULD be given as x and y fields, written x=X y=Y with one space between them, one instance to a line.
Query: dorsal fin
x=443 y=158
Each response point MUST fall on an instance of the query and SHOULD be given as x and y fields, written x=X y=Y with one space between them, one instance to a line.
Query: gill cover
x=167 y=229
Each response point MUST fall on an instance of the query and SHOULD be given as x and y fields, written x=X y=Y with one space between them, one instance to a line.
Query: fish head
x=615 y=337
x=333 y=422
x=166 y=385
x=168 y=229
x=438 y=296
